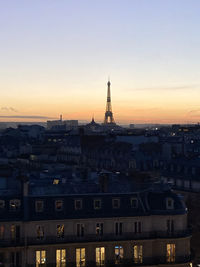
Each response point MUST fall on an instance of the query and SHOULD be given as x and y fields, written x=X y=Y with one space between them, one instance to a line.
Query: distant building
x=62 y=124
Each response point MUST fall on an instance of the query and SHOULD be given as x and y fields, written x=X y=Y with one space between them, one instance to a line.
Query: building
x=93 y=222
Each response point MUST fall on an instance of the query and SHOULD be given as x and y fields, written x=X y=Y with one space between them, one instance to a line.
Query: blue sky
x=56 y=57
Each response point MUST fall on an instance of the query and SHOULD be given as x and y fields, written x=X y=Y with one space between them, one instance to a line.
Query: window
x=58 y=205
x=40 y=231
x=116 y=203
x=40 y=258
x=15 y=204
x=100 y=256
x=97 y=204
x=118 y=228
x=80 y=257
x=137 y=254
x=15 y=259
x=170 y=257
x=119 y=254
x=60 y=257
x=56 y=181
x=80 y=229
x=134 y=202
x=78 y=204
x=169 y=203
x=99 y=228
x=170 y=226
x=60 y=230
x=2 y=204
x=39 y=205
x=2 y=229
x=15 y=232
x=137 y=227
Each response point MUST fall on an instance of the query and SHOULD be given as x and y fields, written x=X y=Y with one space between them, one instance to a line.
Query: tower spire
x=108 y=114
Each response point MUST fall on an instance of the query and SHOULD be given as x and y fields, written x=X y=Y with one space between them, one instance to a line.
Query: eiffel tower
x=109 y=119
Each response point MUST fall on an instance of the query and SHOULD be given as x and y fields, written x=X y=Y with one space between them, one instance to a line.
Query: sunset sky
x=56 y=56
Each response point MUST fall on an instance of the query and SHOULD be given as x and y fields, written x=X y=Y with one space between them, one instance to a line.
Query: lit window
x=137 y=254
x=116 y=203
x=56 y=181
x=80 y=257
x=58 y=205
x=60 y=230
x=99 y=228
x=60 y=257
x=39 y=205
x=40 y=258
x=2 y=204
x=40 y=231
x=78 y=204
x=170 y=257
x=134 y=202
x=100 y=256
x=119 y=254
x=15 y=204
x=80 y=229
x=169 y=203
x=137 y=227
x=2 y=232
x=97 y=204
x=118 y=228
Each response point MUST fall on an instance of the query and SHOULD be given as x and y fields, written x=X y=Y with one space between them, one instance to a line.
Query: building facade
x=103 y=228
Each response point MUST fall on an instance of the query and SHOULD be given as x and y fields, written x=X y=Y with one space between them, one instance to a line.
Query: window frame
x=42 y=206
x=40 y=252
x=16 y=204
x=94 y=201
x=61 y=201
x=171 y=206
x=75 y=204
x=131 y=202
x=113 y=201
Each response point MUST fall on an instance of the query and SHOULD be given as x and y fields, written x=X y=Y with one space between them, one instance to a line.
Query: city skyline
x=56 y=58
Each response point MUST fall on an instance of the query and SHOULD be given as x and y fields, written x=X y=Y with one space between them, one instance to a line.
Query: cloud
x=171 y=88
x=8 y=109
x=26 y=117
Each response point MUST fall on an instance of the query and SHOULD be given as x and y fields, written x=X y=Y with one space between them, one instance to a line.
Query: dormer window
x=78 y=204
x=15 y=204
x=39 y=205
x=58 y=205
x=97 y=204
x=134 y=202
x=116 y=203
x=169 y=203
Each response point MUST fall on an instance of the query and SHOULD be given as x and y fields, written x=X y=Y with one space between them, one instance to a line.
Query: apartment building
x=93 y=223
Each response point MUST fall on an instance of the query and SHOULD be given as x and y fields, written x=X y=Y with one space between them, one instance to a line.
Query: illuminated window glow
x=80 y=257
x=60 y=230
x=60 y=258
x=137 y=254
x=40 y=258
x=100 y=256
x=119 y=254
x=170 y=253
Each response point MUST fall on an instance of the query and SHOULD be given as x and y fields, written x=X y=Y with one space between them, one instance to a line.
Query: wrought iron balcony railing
x=49 y=239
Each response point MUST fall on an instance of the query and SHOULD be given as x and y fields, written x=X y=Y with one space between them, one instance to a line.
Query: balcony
x=48 y=240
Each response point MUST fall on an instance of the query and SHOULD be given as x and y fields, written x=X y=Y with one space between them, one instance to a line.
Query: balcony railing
x=28 y=241
x=130 y=262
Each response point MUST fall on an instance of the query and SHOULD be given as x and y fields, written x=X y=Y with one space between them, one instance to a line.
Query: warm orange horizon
x=59 y=64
